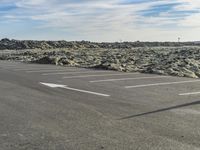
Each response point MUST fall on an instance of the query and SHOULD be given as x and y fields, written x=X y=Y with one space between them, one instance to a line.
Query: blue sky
x=100 y=20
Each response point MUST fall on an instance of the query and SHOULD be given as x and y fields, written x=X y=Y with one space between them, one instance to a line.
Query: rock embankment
x=44 y=45
x=176 y=61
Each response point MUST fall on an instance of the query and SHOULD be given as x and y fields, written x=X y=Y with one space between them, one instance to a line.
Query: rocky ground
x=31 y=44
x=176 y=61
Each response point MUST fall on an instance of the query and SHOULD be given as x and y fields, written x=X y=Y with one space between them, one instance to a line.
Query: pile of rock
x=179 y=61
x=44 y=45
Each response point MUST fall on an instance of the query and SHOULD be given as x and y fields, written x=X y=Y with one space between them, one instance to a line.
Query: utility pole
x=179 y=39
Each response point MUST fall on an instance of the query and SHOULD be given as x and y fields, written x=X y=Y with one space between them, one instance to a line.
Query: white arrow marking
x=53 y=85
x=73 y=89
x=84 y=91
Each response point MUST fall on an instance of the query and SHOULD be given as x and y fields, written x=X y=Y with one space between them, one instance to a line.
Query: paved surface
x=95 y=109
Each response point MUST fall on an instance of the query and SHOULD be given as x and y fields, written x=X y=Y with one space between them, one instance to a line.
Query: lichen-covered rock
x=46 y=60
x=176 y=61
x=44 y=45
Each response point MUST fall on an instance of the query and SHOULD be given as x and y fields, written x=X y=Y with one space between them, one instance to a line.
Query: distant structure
x=179 y=39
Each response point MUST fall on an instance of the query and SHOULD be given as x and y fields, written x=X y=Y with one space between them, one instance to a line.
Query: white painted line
x=52 y=85
x=9 y=67
x=191 y=93
x=84 y=91
x=35 y=71
x=124 y=79
x=158 y=84
x=42 y=68
x=98 y=75
x=27 y=68
x=74 y=72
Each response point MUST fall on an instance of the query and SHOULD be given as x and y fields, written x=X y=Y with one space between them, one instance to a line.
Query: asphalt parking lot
x=52 y=107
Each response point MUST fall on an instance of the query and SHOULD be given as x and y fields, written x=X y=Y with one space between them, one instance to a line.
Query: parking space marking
x=41 y=71
x=89 y=92
x=74 y=72
x=159 y=84
x=8 y=66
x=31 y=69
x=98 y=75
x=72 y=89
x=191 y=93
x=42 y=68
x=124 y=79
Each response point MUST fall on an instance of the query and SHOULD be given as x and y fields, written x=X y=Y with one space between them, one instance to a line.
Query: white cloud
x=108 y=20
x=192 y=21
